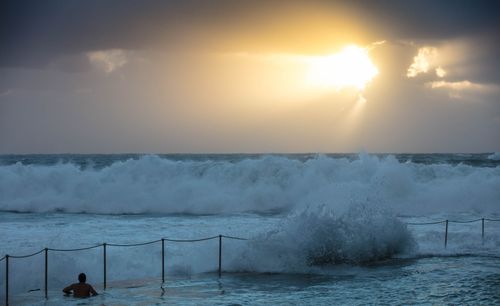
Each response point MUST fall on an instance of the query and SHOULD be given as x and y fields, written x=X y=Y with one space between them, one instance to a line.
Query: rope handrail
x=104 y=245
x=74 y=250
x=452 y=221
x=466 y=221
x=190 y=240
x=234 y=238
x=122 y=245
x=214 y=237
x=133 y=244
x=26 y=256
x=162 y=240
x=425 y=223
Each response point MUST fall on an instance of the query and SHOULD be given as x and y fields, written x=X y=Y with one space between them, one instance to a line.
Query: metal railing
x=104 y=246
x=446 y=222
x=163 y=240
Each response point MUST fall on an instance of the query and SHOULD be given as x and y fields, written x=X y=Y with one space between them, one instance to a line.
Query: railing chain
x=162 y=240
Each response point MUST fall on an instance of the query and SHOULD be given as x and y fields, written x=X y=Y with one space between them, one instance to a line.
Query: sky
x=249 y=76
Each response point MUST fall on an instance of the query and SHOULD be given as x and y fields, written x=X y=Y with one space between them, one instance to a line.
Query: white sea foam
x=313 y=240
x=494 y=156
x=271 y=183
x=333 y=211
x=305 y=241
x=319 y=237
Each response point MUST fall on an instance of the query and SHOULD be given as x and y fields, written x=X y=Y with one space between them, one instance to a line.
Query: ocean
x=318 y=229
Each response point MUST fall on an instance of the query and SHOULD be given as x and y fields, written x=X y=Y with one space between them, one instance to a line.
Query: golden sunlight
x=351 y=67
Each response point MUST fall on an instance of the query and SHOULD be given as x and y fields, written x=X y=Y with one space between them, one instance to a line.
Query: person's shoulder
x=72 y=286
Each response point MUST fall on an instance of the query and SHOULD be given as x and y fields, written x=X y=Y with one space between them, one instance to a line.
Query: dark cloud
x=190 y=102
x=430 y=19
x=34 y=33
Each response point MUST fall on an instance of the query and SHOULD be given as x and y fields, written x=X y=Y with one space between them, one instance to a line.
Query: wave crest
x=319 y=236
x=153 y=184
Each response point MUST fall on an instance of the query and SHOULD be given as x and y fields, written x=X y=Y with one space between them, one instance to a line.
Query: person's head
x=82 y=278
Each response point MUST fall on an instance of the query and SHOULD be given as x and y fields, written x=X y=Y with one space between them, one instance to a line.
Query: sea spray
x=319 y=236
x=494 y=156
x=279 y=184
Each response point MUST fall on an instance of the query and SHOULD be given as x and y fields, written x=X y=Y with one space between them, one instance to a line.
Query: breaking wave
x=319 y=237
x=494 y=156
x=152 y=184
x=306 y=241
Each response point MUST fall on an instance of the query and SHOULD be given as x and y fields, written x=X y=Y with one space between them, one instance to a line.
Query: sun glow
x=351 y=67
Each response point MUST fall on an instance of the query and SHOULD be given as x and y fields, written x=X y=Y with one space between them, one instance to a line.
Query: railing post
x=104 y=267
x=162 y=260
x=482 y=229
x=46 y=271
x=6 y=280
x=220 y=255
x=446 y=235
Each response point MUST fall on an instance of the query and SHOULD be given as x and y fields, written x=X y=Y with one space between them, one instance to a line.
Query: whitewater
x=320 y=228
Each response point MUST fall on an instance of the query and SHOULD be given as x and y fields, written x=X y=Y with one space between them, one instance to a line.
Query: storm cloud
x=216 y=76
x=34 y=33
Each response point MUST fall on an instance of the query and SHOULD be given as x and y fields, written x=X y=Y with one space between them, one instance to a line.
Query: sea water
x=320 y=229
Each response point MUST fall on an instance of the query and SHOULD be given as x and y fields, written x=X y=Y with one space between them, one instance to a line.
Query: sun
x=351 y=67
